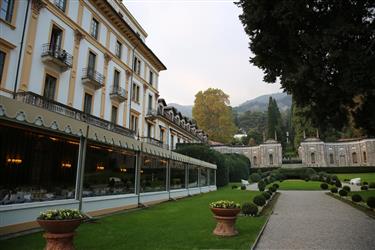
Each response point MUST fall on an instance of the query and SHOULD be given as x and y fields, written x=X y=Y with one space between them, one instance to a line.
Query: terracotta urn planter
x=226 y=219
x=59 y=233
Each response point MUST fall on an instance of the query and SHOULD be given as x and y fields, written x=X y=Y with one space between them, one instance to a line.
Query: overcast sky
x=203 y=44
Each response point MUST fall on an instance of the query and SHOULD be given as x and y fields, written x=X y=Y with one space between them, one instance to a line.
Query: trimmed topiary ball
x=261 y=185
x=275 y=185
x=234 y=187
x=371 y=202
x=272 y=189
x=324 y=186
x=307 y=179
x=334 y=190
x=364 y=188
x=249 y=209
x=266 y=195
x=343 y=192
x=269 y=192
x=365 y=183
x=356 y=198
x=259 y=200
x=346 y=188
x=338 y=183
x=371 y=185
x=243 y=187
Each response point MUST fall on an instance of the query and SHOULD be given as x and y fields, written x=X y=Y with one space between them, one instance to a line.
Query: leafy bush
x=365 y=183
x=272 y=189
x=259 y=200
x=338 y=183
x=61 y=214
x=371 y=185
x=364 y=187
x=356 y=198
x=371 y=202
x=343 y=192
x=234 y=187
x=255 y=177
x=346 y=179
x=346 y=188
x=307 y=179
x=266 y=195
x=275 y=185
x=334 y=190
x=324 y=186
x=261 y=185
x=243 y=187
x=269 y=192
x=249 y=209
x=224 y=204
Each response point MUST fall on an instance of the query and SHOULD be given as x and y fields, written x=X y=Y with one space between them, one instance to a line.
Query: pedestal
x=225 y=226
x=59 y=241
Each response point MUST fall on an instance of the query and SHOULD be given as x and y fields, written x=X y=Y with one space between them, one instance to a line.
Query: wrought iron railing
x=117 y=90
x=92 y=74
x=152 y=112
x=50 y=49
x=56 y=107
x=155 y=142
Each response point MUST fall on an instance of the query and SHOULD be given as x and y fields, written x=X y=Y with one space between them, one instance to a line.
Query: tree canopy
x=213 y=114
x=322 y=52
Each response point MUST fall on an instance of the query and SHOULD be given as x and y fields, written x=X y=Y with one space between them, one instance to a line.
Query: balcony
x=56 y=107
x=118 y=94
x=56 y=57
x=155 y=142
x=151 y=114
x=92 y=78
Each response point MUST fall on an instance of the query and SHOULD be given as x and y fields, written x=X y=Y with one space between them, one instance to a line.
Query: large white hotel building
x=81 y=121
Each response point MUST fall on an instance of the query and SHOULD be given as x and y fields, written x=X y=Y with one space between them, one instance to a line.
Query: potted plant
x=59 y=225
x=225 y=214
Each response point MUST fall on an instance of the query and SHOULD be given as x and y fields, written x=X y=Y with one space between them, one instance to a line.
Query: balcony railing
x=92 y=78
x=155 y=142
x=53 y=54
x=119 y=94
x=56 y=107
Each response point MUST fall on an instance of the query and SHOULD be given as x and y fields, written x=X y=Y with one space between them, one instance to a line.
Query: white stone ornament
x=39 y=121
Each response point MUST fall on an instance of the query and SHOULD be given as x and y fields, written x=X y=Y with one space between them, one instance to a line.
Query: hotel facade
x=81 y=122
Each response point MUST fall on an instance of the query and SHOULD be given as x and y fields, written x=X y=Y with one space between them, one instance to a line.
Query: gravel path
x=313 y=220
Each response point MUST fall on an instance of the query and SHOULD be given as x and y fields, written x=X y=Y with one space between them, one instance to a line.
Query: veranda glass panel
x=193 y=176
x=36 y=165
x=108 y=171
x=177 y=174
x=212 y=176
x=203 y=177
x=153 y=174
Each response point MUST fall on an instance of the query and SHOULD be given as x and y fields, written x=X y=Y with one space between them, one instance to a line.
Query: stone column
x=107 y=58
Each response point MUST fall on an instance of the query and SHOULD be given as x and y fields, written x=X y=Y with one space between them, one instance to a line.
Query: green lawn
x=369 y=177
x=298 y=185
x=182 y=224
x=364 y=194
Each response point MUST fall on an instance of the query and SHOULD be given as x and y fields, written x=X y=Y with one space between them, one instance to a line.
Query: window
x=56 y=39
x=118 y=49
x=149 y=130
x=114 y=115
x=364 y=157
x=161 y=136
x=116 y=79
x=153 y=174
x=137 y=65
x=135 y=94
x=151 y=77
x=271 y=159
x=254 y=160
x=61 y=4
x=94 y=28
x=91 y=63
x=2 y=64
x=87 y=103
x=149 y=102
x=203 y=177
x=312 y=158
x=354 y=156
x=49 y=87
x=172 y=142
x=193 y=176
x=177 y=172
x=7 y=10
x=331 y=160
x=134 y=123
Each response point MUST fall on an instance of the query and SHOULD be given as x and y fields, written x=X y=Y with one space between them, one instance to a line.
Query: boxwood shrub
x=324 y=186
x=343 y=192
x=356 y=198
x=371 y=185
x=364 y=187
x=249 y=209
x=275 y=185
x=243 y=187
x=272 y=189
x=371 y=202
x=346 y=188
x=338 y=183
x=261 y=185
x=334 y=190
x=266 y=195
x=259 y=200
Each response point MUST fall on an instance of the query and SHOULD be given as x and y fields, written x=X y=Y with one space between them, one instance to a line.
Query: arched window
x=354 y=157
x=364 y=156
x=331 y=161
x=271 y=159
x=312 y=158
x=254 y=160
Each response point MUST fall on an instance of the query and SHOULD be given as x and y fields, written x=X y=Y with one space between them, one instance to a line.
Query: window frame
x=118 y=49
x=84 y=103
x=10 y=13
x=96 y=34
